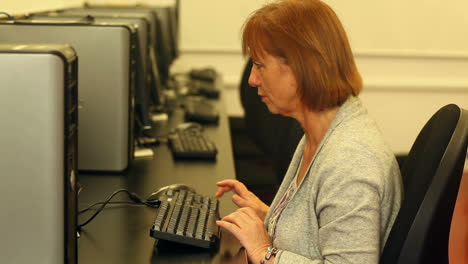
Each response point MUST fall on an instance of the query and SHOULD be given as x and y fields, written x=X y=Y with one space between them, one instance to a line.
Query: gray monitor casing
x=38 y=162
x=160 y=33
x=156 y=58
x=106 y=84
x=143 y=82
x=148 y=15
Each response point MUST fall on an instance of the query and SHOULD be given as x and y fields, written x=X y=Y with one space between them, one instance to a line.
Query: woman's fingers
x=249 y=229
x=224 y=182
x=239 y=218
x=243 y=217
x=249 y=212
x=222 y=190
x=242 y=197
x=239 y=201
x=234 y=222
x=235 y=185
x=224 y=186
x=235 y=230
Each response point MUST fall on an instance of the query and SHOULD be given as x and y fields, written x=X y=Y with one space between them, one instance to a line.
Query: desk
x=120 y=233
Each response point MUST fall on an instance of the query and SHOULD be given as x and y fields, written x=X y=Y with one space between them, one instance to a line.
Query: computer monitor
x=163 y=43
x=177 y=13
x=38 y=162
x=143 y=71
x=105 y=75
x=156 y=74
x=169 y=24
x=173 y=14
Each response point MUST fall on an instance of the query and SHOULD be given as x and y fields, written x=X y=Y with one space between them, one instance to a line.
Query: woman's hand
x=249 y=229
x=243 y=197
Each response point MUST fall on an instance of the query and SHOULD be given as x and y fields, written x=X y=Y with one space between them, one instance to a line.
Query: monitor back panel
x=38 y=110
x=143 y=22
x=159 y=35
x=148 y=15
x=142 y=81
x=156 y=61
x=139 y=23
x=105 y=91
x=168 y=43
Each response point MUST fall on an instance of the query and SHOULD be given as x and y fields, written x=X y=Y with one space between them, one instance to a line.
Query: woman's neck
x=315 y=125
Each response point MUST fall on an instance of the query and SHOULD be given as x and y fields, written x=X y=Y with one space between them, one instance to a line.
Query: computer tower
x=106 y=76
x=38 y=161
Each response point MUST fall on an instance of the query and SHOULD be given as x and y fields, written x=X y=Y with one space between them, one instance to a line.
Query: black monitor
x=169 y=31
x=175 y=28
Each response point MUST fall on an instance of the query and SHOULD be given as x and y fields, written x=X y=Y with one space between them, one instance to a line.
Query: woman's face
x=276 y=83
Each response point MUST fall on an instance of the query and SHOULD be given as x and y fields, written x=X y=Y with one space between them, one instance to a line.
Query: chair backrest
x=275 y=135
x=431 y=178
x=458 y=242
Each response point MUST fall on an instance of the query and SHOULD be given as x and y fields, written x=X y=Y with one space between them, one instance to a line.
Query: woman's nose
x=254 y=80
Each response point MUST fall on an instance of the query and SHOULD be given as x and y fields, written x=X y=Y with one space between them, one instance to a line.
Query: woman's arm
x=348 y=206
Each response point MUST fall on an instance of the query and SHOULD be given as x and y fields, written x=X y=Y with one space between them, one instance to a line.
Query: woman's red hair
x=308 y=35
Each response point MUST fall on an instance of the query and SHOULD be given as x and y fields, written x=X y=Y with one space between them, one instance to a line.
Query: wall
x=24 y=6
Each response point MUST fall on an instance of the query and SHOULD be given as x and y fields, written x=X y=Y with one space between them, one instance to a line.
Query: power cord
x=99 y=203
x=134 y=197
x=10 y=17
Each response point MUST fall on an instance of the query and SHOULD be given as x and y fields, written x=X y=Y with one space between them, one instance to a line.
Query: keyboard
x=187 y=217
x=190 y=143
x=199 y=110
x=206 y=74
x=204 y=88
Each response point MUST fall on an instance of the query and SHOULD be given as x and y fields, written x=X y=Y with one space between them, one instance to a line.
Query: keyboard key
x=160 y=217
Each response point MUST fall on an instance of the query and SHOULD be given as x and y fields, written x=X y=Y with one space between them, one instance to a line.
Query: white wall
x=25 y=6
x=211 y=28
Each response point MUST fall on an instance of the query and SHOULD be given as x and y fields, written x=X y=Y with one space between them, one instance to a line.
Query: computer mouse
x=168 y=190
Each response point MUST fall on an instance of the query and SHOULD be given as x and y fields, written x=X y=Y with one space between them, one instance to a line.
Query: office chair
x=276 y=135
x=458 y=242
x=431 y=178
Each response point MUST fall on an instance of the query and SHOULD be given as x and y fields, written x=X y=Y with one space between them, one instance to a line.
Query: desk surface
x=120 y=233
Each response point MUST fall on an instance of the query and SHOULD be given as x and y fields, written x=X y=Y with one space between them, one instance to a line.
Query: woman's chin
x=272 y=109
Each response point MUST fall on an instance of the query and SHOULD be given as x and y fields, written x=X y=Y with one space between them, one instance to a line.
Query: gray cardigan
x=345 y=206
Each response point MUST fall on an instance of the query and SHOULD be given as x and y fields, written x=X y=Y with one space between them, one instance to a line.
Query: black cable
x=95 y=204
x=132 y=196
x=10 y=17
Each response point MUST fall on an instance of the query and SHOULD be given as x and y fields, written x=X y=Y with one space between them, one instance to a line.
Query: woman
x=342 y=191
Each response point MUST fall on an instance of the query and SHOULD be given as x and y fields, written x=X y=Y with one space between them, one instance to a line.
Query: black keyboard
x=200 y=110
x=204 y=88
x=206 y=74
x=190 y=143
x=187 y=217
